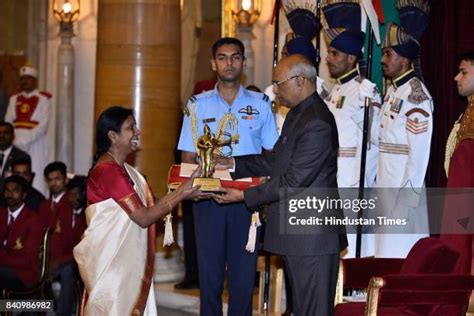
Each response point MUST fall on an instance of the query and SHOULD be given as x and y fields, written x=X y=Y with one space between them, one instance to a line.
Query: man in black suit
x=305 y=156
x=8 y=152
x=22 y=167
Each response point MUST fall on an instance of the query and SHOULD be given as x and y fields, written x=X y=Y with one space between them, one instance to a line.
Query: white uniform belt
x=346 y=152
x=398 y=149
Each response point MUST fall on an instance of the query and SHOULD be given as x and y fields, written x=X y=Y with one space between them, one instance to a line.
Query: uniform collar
x=6 y=154
x=29 y=94
x=216 y=93
x=404 y=78
x=58 y=198
x=8 y=150
x=347 y=76
x=15 y=213
x=77 y=211
x=305 y=103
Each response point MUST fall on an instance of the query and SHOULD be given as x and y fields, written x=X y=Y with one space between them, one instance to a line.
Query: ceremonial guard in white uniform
x=28 y=111
x=347 y=97
x=346 y=102
x=405 y=133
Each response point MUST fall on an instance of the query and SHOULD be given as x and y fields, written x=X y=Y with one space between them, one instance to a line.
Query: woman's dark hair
x=109 y=120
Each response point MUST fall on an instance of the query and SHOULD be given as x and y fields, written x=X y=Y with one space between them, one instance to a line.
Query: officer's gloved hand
x=409 y=208
x=368 y=89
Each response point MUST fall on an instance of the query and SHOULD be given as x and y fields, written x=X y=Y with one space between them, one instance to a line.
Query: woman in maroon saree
x=115 y=257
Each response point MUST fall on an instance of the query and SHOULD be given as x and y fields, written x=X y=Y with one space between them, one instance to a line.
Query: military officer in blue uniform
x=222 y=230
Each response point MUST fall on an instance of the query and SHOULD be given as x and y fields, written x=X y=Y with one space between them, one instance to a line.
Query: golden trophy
x=206 y=146
x=209 y=144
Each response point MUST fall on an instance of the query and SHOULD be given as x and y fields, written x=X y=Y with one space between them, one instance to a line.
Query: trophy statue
x=206 y=147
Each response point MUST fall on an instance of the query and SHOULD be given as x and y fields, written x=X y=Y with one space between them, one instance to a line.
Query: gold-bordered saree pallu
x=116 y=257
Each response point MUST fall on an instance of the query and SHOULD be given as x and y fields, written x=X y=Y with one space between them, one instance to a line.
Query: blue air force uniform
x=222 y=230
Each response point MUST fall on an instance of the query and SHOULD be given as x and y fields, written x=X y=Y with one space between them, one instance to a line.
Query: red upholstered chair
x=434 y=279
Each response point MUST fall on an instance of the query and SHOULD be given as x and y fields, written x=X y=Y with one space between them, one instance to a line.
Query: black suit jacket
x=305 y=156
x=15 y=153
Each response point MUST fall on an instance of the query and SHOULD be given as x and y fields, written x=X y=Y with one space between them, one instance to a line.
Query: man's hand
x=223 y=163
x=369 y=90
x=230 y=196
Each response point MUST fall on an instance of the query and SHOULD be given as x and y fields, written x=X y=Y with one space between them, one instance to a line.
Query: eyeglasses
x=279 y=83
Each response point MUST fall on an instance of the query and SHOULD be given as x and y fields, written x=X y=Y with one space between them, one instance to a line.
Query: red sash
x=24 y=108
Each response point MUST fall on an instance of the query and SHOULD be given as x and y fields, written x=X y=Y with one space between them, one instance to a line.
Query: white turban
x=29 y=71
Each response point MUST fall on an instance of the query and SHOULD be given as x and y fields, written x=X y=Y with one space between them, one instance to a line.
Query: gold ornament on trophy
x=209 y=144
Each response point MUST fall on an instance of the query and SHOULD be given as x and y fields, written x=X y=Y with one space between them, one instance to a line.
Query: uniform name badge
x=340 y=101
x=396 y=105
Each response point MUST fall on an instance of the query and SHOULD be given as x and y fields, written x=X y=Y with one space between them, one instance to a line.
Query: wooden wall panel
x=138 y=66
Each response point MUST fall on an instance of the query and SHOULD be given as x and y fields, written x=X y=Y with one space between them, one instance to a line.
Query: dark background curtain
x=449 y=34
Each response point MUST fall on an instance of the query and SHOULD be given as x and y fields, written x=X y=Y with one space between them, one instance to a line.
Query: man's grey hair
x=304 y=69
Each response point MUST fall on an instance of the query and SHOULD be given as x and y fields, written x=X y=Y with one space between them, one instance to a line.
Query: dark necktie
x=75 y=214
x=2 y=156
x=9 y=226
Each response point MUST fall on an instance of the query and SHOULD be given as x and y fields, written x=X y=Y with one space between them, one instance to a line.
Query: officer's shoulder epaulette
x=46 y=94
x=259 y=95
x=204 y=95
x=192 y=99
x=417 y=93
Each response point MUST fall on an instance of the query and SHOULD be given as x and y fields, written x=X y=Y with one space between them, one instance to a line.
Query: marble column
x=244 y=33
x=138 y=66
x=65 y=97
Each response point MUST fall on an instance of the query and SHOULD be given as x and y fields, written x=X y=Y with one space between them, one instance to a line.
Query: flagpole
x=266 y=275
x=277 y=32
x=318 y=37
x=365 y=131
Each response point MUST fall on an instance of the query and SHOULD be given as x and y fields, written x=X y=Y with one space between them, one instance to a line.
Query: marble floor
x=172 y=302
x=163 y=311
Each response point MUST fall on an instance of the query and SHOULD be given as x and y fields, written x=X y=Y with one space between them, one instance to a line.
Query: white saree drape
x=115 y=258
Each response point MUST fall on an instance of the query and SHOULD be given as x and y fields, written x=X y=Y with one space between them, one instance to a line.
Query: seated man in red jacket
x=57 y=213
x=76 y=189
x=21 y=233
